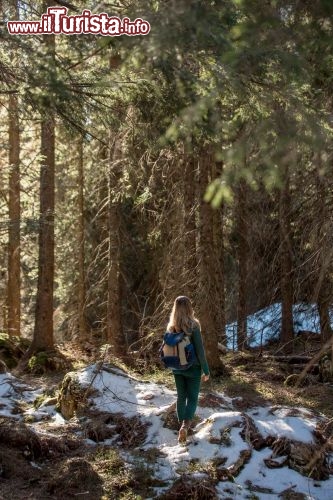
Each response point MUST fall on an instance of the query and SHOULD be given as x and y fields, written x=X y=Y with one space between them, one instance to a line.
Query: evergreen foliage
x=224 y=102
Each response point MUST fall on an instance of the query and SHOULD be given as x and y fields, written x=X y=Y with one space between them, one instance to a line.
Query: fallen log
x=291 y=359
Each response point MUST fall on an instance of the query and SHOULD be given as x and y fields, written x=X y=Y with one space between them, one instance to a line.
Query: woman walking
x=188 y=381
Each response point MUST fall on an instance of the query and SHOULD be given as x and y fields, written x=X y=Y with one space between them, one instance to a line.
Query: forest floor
x=124 y=445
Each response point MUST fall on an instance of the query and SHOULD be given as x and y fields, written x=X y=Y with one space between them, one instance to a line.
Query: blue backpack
x=177 y=351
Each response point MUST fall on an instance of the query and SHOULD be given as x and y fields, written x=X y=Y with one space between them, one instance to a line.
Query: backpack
x=177 y=351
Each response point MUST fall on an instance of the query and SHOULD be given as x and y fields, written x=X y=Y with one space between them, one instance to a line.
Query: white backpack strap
x=181 y=350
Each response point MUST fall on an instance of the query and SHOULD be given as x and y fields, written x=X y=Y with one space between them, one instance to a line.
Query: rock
x=3 y=367
x=73 y=396
x=12 y=349
x=46 y=361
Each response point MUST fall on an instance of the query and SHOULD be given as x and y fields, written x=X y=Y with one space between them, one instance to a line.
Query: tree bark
x=14 y=275
x=324 y=303
x=190 y=229
x=208 y=296
x=218 y=228
x=242 y=258
x=115 y=332
x=43 y=331
x=323 y=287
x=286 y=264
x=82 y=323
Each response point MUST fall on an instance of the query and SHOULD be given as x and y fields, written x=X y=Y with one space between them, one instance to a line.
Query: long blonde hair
x=182 y=317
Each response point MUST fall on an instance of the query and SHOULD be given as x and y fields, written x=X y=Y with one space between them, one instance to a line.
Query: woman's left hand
x=205 y=378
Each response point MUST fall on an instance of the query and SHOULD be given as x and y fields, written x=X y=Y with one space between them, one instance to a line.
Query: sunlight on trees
x=195 y=160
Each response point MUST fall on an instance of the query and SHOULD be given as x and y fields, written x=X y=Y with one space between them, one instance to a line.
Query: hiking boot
x=182 y=434
x=189 y=426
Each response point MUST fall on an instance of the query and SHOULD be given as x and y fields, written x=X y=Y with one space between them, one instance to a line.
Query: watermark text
x=56 y=22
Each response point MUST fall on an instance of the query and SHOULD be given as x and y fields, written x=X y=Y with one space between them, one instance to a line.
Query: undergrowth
x=260 y=381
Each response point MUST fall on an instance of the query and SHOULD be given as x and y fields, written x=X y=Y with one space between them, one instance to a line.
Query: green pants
x=188 y=387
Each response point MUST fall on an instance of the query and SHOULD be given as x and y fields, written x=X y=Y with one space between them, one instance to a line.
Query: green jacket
x=201 y=356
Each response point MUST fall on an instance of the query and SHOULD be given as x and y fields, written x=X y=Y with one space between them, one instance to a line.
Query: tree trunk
x=324 y=303
x=43 y=332
x=14 y=276
x=208 y=296
x=82 y=324
x=242 y=258
x=323 y=287
x=190 y=229
x=286 y=264
x=115 y=333
x=218 y=228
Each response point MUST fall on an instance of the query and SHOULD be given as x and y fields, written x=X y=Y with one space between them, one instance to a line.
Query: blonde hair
x=182 y=317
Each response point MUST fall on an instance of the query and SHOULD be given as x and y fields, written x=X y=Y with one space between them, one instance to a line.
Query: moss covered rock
x=73 y=396
x=12 y=349
x=46 y=361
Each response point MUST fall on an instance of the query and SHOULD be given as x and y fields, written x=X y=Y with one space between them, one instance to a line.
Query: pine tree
x=14 y=209
x=43 y=332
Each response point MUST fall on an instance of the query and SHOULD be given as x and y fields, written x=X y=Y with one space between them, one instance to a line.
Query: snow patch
x=115 y=392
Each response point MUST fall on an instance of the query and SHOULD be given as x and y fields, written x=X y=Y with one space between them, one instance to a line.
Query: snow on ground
x=265 y=325
x=278 y=422
x=117 y=392
x=13 y=393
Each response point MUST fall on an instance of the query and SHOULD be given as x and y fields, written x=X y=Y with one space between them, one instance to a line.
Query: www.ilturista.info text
x=57 y=22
